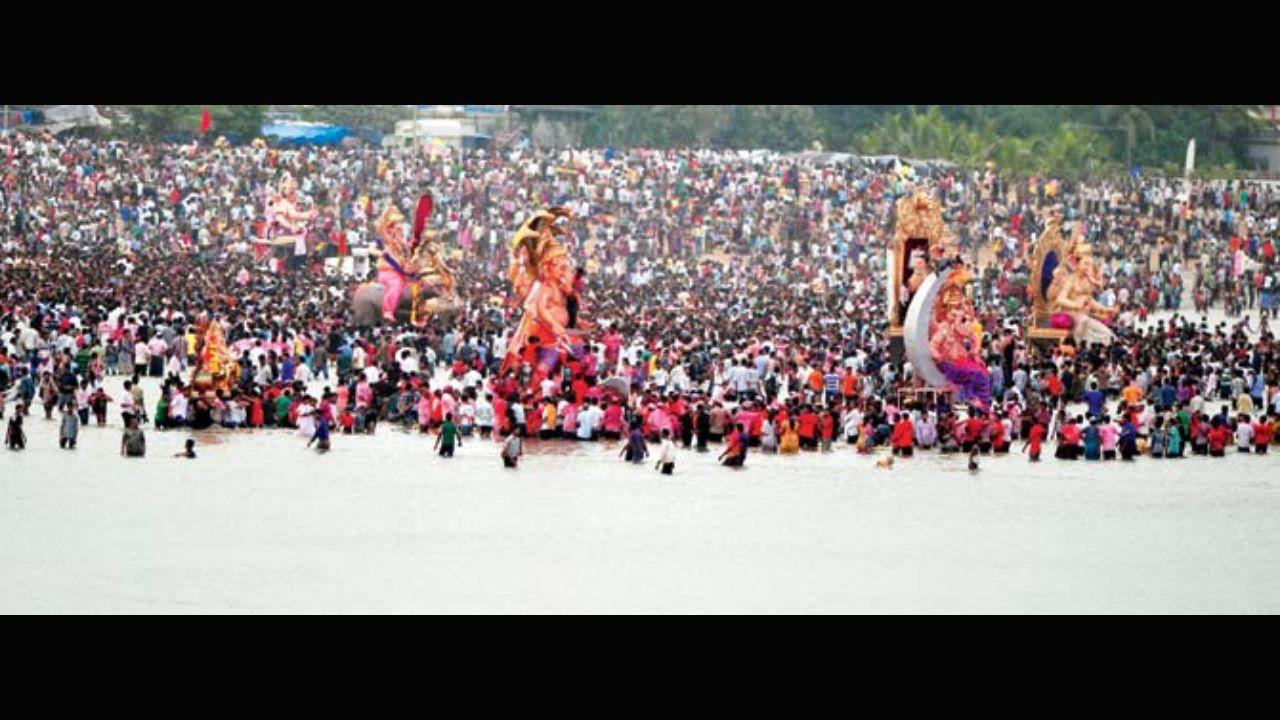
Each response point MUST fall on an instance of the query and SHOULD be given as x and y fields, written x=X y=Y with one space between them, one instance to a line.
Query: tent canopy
x=305 y=133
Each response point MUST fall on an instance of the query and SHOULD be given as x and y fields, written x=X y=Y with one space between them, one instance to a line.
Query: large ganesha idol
x=955 y=341
x=1064 y=282
x=542 y=278
x=414 y=282
x=286 y=222
x=943 y=338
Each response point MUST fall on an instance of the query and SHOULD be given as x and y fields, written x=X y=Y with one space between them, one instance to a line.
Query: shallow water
x=381 y=524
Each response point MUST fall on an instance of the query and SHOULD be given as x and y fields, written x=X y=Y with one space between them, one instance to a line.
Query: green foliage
x=244 y=121
x=780 y=127
x=1065 y=140
x=156 y=121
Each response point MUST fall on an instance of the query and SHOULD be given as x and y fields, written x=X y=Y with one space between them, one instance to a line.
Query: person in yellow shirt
x=1244 y=404
x=548 y=429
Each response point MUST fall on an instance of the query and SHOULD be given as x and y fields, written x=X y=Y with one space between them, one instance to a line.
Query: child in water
x=14 y=437
x=189 y=452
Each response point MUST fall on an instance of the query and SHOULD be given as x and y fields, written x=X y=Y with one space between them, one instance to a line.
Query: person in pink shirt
x=1108 y=434
x=424 y=411
x=343 y=400
x=569 y=421
x=612 y=422
x=364 y=394
x=448 y=403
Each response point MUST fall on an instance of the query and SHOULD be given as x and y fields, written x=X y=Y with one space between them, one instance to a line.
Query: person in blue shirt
x=1128 y=440
x=321 y=435
x=1092 y=440
x=1168 y=395
x=1095 y=398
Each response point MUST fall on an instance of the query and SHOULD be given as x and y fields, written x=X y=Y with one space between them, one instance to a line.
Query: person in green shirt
x=448 y=437
x=282 y=409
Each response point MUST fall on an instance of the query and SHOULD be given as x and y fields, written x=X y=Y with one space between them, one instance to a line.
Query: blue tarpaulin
x=21 y=117
x=304 y=133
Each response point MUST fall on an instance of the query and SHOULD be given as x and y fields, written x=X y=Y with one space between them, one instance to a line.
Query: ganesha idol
x=542 y=282
x=1071 y=299
x=1064 y=282
x=215 y=368
x=955 y=341
x=414 y=282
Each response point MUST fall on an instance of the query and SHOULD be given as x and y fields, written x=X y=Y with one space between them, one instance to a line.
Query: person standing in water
x=321 y=435
x=14 y=437
x=448 y=437
x=512 y=449
x=1034 y=438
x=735 y=455
x=133 y=443
x=70 y=429
x=636 y=450
x=666 y=454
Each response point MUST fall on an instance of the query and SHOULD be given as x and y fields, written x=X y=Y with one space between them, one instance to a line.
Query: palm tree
x=1132 y=119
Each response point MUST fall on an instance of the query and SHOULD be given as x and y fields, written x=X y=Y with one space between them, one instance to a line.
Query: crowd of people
x=740 y=297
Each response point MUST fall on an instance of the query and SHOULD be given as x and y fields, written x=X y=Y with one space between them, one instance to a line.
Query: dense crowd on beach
x=739 y=296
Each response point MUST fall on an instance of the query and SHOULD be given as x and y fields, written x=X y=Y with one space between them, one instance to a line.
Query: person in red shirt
x=1034 y=438
x=1262 y=434
x=972 y=429
x=1219 y=436
x=1068 y=441
x=903 y=436
x=827 y=429
x=1054 y=383
x=808 y=428
x=999 y=442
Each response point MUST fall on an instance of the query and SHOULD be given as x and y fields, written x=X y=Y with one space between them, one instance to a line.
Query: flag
x=425 y=203
x=206 y=121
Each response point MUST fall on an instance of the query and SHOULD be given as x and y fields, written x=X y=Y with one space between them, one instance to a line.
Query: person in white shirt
x=484 y=415
x=548 y=387
x=408 y=362
x=1244 y=434
x=472 y=379
x=141 y=356
x=178 y=409
x=666 y=454
x=589 y=419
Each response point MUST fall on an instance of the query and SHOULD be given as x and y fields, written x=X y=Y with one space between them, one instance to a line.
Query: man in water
x=133 y=443
x=512 y=449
